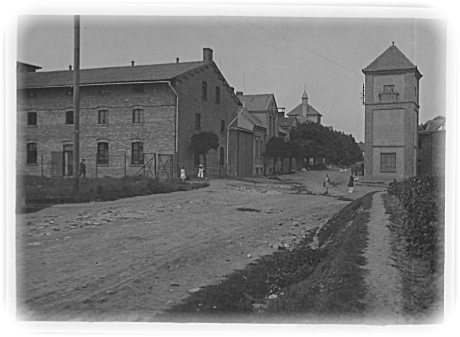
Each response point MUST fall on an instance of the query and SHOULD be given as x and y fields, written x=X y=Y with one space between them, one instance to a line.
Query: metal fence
x=60 y=164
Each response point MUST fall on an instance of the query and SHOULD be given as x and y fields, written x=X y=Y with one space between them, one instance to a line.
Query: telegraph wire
x=284 y=51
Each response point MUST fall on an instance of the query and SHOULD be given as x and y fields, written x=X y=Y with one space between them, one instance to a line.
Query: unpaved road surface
x=130 y=259
x=383 y=279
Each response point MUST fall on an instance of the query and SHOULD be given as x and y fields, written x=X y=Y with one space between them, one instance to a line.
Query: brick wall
x=157 y=132
x=189 y=89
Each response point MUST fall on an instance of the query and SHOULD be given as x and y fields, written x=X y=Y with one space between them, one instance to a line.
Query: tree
x=203 y=142
x=276 y=148
x=318 y=141
x=294 y=150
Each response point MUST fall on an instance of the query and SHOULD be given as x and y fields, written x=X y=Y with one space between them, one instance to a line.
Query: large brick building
x=132 y=119
x=391 y=117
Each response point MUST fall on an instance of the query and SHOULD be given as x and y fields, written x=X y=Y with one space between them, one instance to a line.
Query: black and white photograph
x=251 y=166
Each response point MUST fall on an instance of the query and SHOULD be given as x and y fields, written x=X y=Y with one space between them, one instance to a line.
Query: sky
x=278 y=54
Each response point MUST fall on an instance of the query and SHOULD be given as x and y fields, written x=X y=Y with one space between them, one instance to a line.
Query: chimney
x=132 y=63
x=70 y=67
x=239 y=93
x=207 y=54
x=177 y=60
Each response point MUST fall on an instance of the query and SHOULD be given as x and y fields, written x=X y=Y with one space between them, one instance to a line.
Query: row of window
x=137 y=153
x=102 y=117
x=204 y=92
x=198 y=123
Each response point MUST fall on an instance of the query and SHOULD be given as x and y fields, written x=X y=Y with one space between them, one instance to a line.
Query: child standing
x=182 y=174
x=326 y=184
x=351 y=182
x=200 y=172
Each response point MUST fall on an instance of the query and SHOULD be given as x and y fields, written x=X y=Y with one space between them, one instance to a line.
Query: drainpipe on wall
x=228 y=137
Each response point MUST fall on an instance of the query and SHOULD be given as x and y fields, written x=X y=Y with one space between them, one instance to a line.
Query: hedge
x=422 y=200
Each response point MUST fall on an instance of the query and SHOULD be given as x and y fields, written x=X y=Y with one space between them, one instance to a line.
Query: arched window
x=32 y=153
x=137 y=156
x=103 y=153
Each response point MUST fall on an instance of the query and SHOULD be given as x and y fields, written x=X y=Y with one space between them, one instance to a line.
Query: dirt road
x=129 y=259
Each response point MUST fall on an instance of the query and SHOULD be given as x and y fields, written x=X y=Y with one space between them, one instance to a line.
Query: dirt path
x=383 y=279
x=129 y=259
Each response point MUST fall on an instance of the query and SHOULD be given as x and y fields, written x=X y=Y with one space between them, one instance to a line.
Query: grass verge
x=322 y=277
x=101 y=189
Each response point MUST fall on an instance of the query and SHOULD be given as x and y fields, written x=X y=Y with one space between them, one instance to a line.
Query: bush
x=422 y=200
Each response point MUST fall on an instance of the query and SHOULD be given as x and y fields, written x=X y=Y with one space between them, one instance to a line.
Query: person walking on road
x=326 y=184
x=200 y=172
x=182 y=174
x=351 y=182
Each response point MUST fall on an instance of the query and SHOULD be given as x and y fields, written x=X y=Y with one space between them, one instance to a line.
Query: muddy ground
x=131 y=259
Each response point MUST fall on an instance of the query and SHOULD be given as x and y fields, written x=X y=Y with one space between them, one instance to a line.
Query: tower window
x=138 y=116
x=69 y=117
x=103 y=117
x=204 y=91
x=32 y=153
x=31 y=118
x=388 y=162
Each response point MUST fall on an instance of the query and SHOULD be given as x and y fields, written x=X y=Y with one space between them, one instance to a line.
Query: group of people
x=327 y=181
x=183 y=176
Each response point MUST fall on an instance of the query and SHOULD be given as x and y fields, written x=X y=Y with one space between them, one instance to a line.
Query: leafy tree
x=203 y=142
x=318 y=141
x=294 y=150
x=276 y=148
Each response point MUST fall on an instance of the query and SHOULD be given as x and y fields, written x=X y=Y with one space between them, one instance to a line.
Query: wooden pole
x=76 y=102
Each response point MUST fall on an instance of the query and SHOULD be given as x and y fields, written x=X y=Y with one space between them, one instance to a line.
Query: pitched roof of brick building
x=260 y=102
x=390 y=59
x=127 y=74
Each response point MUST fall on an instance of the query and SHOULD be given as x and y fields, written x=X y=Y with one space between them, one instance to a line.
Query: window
x=32 y=153
x=103 y=117
x=222 y=126
x=31 y=118
x=204 y=90
x=103 y=153
x=69 y=117
x=222 y=156
x=138 y=88
x=198 y=121
x=388 y=162
x=138 y=116
x=137 y=153
x=217 y=95
x=388 y=88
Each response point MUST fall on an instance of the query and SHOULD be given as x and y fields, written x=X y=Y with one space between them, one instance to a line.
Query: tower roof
x=390 y=59
x=304 y=95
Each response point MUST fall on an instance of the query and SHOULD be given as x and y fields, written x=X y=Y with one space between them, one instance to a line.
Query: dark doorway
x=68 y=161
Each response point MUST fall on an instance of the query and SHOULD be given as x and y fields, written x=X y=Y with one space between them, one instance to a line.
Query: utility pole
x=76 y=103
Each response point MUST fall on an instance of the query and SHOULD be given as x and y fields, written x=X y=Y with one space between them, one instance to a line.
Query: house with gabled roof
x=247 y=134
x=133 y=119
x=391 y=116
x=305 y=112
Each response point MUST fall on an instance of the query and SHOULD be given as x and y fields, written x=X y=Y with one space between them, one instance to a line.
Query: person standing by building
x=200 y=172
x=182 y=174
x=351 y=183
x=326 y=184
x=82 y=168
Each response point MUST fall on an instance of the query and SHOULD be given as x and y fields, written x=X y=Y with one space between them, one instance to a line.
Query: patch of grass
x=101 y=189
x=305 y=280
